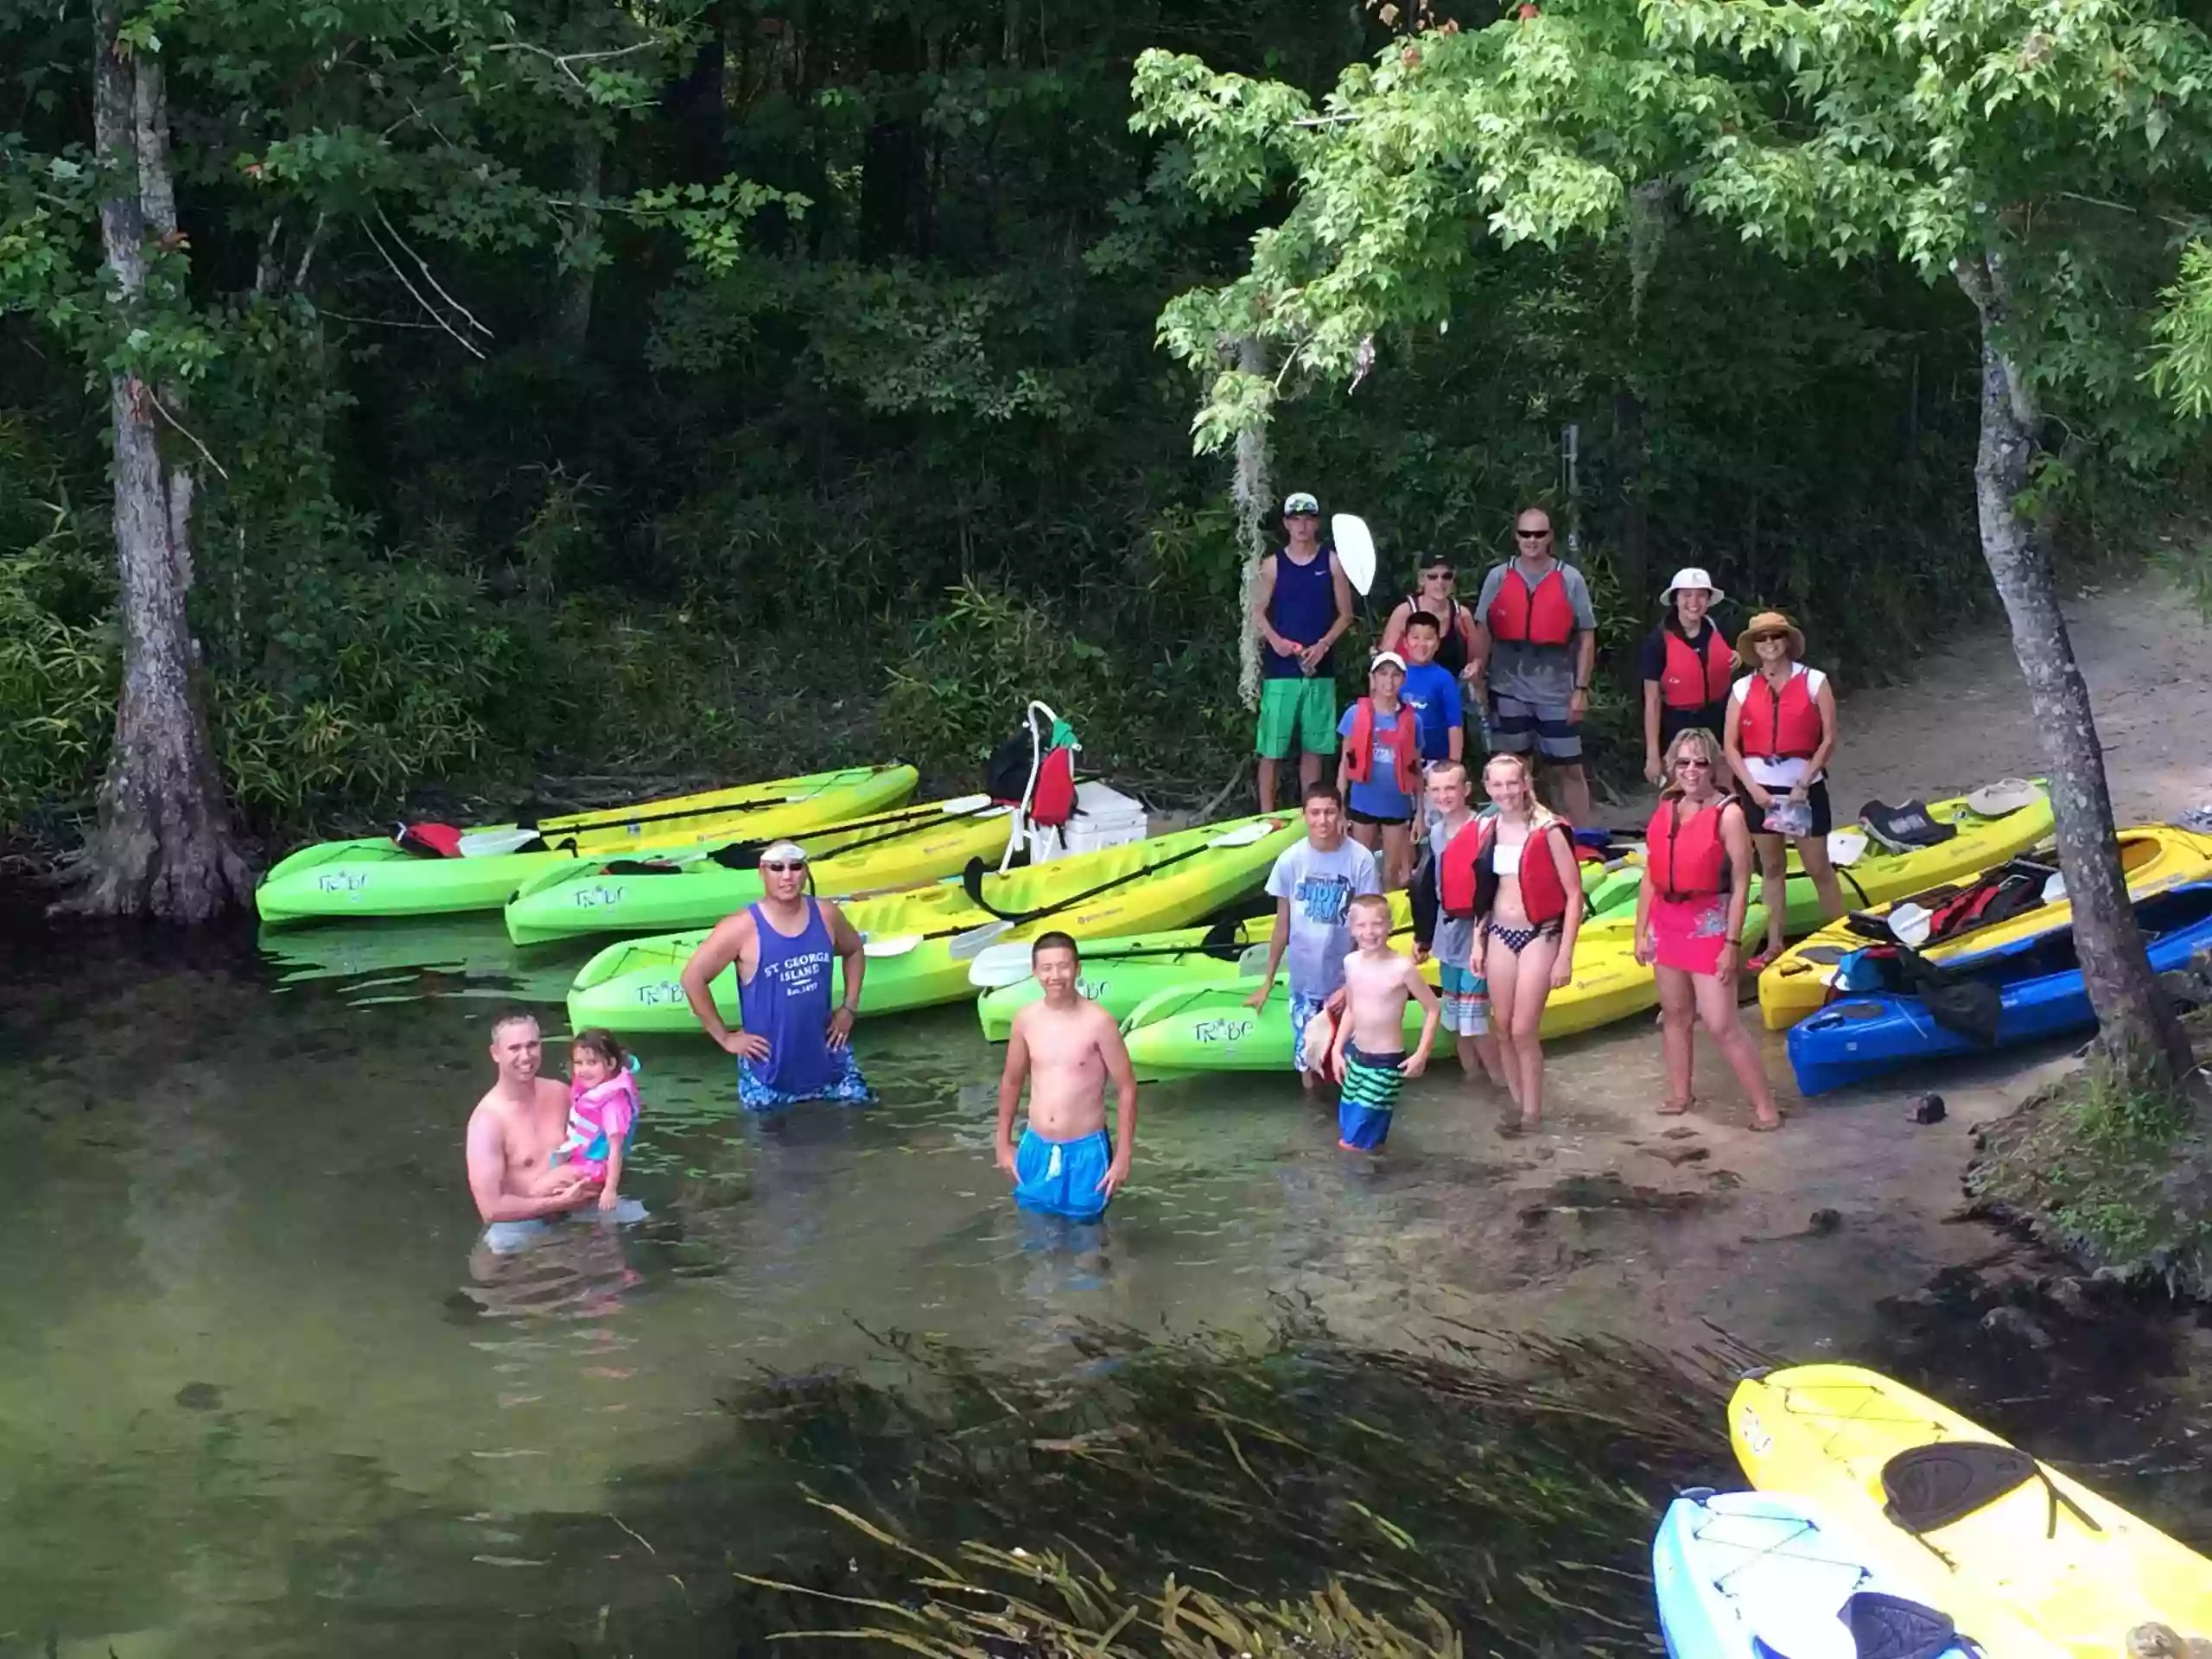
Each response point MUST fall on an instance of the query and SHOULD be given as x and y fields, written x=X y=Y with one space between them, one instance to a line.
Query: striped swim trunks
x=1372 y=1084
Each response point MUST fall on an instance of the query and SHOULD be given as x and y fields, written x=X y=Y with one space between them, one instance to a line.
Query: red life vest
x=1687 y=857
x=1540 y=616
x=1782 y=725
x=1466 y=876
x=1693 y=678
x=1405 y=745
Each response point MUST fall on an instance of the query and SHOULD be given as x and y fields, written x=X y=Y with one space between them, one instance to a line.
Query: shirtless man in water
x=1065 y=1047
x=513 y=1130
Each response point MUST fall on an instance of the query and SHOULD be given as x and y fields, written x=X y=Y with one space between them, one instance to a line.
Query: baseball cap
x=1298 y=501
x=783 y=852
x=1387 y=657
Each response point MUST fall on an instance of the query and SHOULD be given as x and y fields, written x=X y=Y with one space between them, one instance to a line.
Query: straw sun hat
x=1771 y=622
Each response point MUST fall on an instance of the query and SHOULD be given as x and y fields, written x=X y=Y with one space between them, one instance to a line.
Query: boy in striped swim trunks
x=1370 y=1055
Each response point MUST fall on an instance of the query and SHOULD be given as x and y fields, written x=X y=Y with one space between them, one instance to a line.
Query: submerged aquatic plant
x=1212 y=1496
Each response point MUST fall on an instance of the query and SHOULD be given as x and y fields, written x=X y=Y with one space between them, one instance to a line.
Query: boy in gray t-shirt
x=1313 y=884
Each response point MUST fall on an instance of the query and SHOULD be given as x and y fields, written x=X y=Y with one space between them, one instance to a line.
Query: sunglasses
x=1689 y=762
x=783 y=865
x=1445 y=575
x=1532 y=535
x=1770 y=638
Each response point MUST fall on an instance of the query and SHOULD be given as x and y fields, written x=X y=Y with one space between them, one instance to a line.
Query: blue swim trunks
x=846 y=1086
x=1372 y=1083
x=1465 y=996
x=1302 y=1010
x=1061 y=1178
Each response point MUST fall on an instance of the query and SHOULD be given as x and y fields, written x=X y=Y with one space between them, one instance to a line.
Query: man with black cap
x=792 y=1045
x=1301 y=606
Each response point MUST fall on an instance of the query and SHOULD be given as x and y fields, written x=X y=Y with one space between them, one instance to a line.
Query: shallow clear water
x=265 y=1393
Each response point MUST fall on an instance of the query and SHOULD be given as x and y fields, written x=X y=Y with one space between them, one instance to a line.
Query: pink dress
x=598 y=1117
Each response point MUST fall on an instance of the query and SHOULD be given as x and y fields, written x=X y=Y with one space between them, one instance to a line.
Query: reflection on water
x=267 y=1392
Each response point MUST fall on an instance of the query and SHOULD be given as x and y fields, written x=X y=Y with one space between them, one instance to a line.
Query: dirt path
x=1616 y=1216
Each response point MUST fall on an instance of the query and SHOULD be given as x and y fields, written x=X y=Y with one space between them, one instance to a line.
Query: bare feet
x=1764 y=1122
x=1676 y=1107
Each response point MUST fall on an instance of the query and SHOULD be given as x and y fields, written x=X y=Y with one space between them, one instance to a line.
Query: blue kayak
x=1739 y=1575
x=2038 y=982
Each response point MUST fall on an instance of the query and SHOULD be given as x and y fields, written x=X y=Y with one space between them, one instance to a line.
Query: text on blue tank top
x=787 y=1001
x=1302 y=608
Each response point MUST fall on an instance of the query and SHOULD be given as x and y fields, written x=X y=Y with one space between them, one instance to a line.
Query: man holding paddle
x=791 y=1046
x=1301 y=606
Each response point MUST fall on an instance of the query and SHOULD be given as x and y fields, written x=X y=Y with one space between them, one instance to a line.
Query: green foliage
x=58 y=674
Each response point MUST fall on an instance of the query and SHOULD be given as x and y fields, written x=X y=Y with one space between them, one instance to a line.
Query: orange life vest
x=1782 y=725
x=1466 y=876
x=1695 y=678
x=1542 y=616
x=1405 y=745
x=1687 y=857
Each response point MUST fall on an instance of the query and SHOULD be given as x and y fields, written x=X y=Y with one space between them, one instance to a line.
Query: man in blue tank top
x=792 y=1045
x=1301 y=606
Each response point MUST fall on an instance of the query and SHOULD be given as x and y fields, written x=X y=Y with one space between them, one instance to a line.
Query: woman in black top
x=1435 y=593
x=1685 y=666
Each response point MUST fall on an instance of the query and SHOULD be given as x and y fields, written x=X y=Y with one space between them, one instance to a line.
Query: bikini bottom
x=1517 y=939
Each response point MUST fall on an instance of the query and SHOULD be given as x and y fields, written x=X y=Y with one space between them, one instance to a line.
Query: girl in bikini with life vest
x=1455 y=624
x=1686 y=665
x=1689 y=913
x=1379 y=769
x=1516 y=873
x=1780 y=734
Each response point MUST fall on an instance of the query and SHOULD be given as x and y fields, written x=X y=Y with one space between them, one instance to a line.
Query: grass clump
x=1207 y=1496
x=2119 y=1180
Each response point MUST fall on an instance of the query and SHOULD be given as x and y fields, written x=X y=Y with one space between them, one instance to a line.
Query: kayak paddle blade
x=1253 y=962
x=965 y=946
x=897 y=946
x=999 y=965
x=960 y=804
x=479 y=843
x=1244 y=834
x=1355 y=549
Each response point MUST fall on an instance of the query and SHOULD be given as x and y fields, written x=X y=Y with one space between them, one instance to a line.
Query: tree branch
x=430 y=310
x=423 y=265
x=161 y=409
x=561 y=60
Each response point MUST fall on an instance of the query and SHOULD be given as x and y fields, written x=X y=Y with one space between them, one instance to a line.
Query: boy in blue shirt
x=1432 y=693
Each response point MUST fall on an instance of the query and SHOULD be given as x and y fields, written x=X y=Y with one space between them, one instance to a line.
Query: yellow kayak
x=2153 y=857
x=2046 y=1566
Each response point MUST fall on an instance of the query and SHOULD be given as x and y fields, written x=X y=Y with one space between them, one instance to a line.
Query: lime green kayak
x=920 y=941
x=376 y=876
x=1120 y=974
x=697 y=886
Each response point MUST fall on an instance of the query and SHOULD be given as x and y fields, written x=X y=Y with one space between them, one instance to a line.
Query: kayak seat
x=1884 y=1626
x=1928 y=1487
x=643 y=866
x=1903 y=828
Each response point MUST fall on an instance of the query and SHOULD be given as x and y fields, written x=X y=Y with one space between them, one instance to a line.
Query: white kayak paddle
x=1355 y=549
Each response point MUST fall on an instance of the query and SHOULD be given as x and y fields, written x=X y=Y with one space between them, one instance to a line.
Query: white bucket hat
x=1690 y=577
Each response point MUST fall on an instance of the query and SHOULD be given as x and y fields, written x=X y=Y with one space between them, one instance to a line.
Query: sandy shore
x=1788 y=1239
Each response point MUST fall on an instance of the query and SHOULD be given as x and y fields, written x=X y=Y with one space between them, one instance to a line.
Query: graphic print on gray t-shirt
x=1531 y=673
x=1320 y=887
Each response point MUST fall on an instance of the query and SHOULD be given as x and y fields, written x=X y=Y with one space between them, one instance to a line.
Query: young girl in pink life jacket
x=603 y=1110
x=1516 y=874
x=1379 y=769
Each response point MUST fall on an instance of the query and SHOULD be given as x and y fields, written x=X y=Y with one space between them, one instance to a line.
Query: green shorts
x=1299 y=714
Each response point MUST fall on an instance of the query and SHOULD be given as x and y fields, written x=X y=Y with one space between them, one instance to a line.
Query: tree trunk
x=164 y=842
x=1632 y=547
x=2137 y=1030
x=580 y=268
x=1253 y=494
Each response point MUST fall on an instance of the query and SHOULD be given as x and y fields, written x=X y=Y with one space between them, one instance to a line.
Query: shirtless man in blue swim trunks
x=1065 y=1047
x=791 y=1045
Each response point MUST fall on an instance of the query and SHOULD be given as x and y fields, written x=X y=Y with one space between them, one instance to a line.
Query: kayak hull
x=1864 y=1036
x=374 y=877
x=579 y=897
x=1210 y=1026
x=2022 y=1574
x=2155 y=858
x=1739 y=1575
x=912 y=937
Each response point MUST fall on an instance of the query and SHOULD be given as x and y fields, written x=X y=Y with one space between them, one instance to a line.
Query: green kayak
x=697 y=886
x=377 y=876
x=920 y=941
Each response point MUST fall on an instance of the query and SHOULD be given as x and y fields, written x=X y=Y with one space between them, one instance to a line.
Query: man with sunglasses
x=1301 y=606
x=1535 y=644
x=792 y=1045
